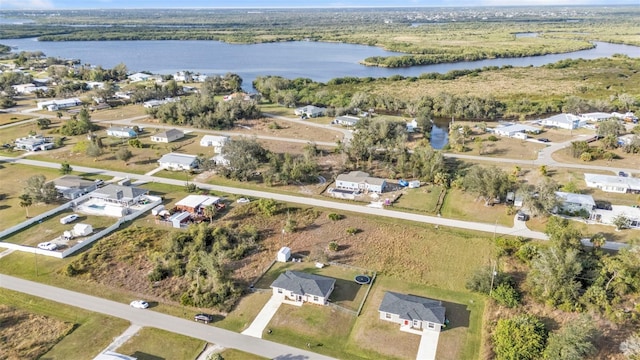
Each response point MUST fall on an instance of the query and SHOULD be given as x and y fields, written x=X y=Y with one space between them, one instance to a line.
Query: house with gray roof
x=360 y=181
x=412 y=312
x=575 y=203
x=564 y=121
x=175 y=161
x=73 y=186
x=121 y=132
x=167 y=136
x=310 y=111
x=296 y=288
x=118 y=194
x=346 y=120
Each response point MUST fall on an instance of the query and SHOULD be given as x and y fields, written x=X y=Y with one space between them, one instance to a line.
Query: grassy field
x=424 y=198
x=154 y=344
x=474 y=209
x=13 y=179
x=92 y=332
x=244 y=312
x=12 y=118
x=231 y=354
x=623 y=160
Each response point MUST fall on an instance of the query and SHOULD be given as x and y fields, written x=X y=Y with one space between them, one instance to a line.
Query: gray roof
x=303 y=283
x=73 y=181
x=410 y=307
x=174 y=158
x=581 y=199
x=168 y=133
x=111 y=192
x=360 y=177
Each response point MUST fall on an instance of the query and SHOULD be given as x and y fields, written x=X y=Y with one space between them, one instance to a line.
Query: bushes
x=334 y=246
x=335 y=217
x=506 y=295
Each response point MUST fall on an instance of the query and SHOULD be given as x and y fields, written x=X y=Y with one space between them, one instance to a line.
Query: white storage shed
x=284 y=254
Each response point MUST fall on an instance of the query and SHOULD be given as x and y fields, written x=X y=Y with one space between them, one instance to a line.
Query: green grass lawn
x=244 y=312
x=424 y=198
x=93 y=332
x=466 y=206
x=154 y=344
x=232 y=354
x=11 y=118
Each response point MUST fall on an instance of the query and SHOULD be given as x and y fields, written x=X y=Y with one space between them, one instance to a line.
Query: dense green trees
x=487 y=182
x=244 y=156
x=39 y=190
x=78 y=125
x=574 y=341
x=521 y=337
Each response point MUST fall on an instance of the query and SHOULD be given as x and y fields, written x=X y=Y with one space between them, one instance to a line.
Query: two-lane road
x=150 y=318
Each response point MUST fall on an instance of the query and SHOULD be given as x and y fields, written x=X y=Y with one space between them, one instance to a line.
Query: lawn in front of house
x=92 y=333
x=154 y=344
x=244 y=312
x=8 y=118
x=233 y=354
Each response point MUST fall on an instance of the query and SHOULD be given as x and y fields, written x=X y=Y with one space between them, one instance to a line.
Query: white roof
x=194 y=201
x=517 y=128
x=562 y=118
x=174 y=158
x=617 y=181
x=576 y=198
x=607 y=216
x=597 y=115
x=215 y=138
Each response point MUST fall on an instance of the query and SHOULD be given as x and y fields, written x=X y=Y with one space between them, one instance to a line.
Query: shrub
x=508 y=246
x=506 y=295
x=492 y=138
x=352 y=230
x=527 y=252
x=158 y=273
x=333 y=246
x=334 y=217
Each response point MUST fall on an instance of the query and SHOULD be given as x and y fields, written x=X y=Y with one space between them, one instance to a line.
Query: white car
x=243 y=201
x=69 y=218
x=48 y=246
x=139 y=304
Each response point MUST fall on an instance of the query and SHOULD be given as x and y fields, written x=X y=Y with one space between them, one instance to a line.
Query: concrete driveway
x=264 y=316
x=428 y=345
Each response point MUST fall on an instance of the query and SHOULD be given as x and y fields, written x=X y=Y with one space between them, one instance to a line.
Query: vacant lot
x=34 y=328
x=154 y=344
x=424 y=198
x=466 y=206
x=623 y=160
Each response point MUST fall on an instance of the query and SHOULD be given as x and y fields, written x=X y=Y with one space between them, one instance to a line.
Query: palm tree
x=210 y=212
x=25 y=202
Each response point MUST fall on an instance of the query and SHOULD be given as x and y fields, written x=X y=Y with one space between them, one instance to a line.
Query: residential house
x=412 y=126
x=627 y=117
x=139 y=77
x=297 y=287
x=515 y=130
x=220 y=160
x=34 y=143
x=55 y=105
x=28 y=88
x=610 y=183
x=195 y=204
x=175 y=161
x=95 y=85
x=216 y=141
x=628 y=139
x=119 y=194
x=575 y=203
x=596 y=116
x=167 y=136
x=608 y=216
x=121 y=132
x=310 y=111
x=155 y=103
x=564 y=121
x=73 y=186
x=412 y=312
x=346 y=120
x=360 y=181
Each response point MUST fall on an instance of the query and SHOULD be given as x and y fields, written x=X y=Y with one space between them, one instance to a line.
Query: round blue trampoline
x=362 y=279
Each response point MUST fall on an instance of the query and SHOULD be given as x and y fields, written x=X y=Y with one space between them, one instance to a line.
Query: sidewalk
x=123 y=338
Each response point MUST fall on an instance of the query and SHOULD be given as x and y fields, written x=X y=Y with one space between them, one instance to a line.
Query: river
x=314 y=60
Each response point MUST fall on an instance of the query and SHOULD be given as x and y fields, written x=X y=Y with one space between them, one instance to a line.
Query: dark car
x=544 y=140
x=205 y=318
x=622 y=173
x=522 y=216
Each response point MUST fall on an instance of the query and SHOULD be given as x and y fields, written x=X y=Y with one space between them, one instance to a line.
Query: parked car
x=544 y=140
x=99 y=182
x=622 y=173
x=68 y=219
x=48 y=246
x=243 y=201
x=205 y=318
x=522 y=216
x=139 y=304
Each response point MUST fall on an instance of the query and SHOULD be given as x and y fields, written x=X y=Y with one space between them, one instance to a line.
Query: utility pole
x=493 y=275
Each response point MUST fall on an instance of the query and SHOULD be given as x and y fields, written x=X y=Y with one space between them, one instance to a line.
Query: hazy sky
x=123 y=4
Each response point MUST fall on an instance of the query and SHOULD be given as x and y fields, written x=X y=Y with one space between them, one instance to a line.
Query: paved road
x=150 y=318
x=440 y=221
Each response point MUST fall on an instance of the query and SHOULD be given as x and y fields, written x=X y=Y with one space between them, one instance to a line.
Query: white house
x=139 y=77
x=216 y=141
x=608 y=217
x=167 y=136
x=296 y=288
x=175 y=161
x=564 y=121
x=28 y=88
x=310 y=111
x=155 y=103
x=513 y=130
x=54 y=105
x=412 y=126
x=121 y=132
x=346 y=120
x=610 y=183
x=34 y=143
x=73 y=186
x=412 y=312
x=359 y=180
x=596 y=116
x=574 y=203
x=195 y=204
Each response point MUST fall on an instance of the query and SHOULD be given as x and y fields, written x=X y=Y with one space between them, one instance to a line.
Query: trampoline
x=362 y=279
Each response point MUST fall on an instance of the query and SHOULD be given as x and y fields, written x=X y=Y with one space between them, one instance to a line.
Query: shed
x=178 y=218
x=82 y=230
x=414 y=184
x=156 y=210
x=284 y=254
